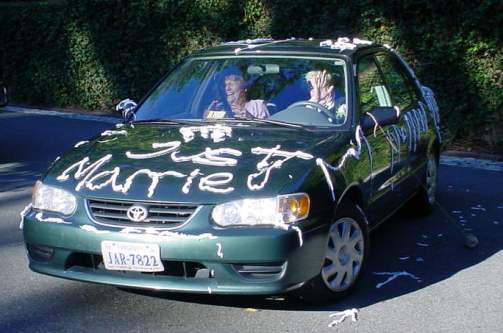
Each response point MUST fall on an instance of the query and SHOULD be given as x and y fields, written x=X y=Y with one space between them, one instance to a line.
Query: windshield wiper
x=186 y=122
x=259 y=120
x=277 y=122
x=166 y=121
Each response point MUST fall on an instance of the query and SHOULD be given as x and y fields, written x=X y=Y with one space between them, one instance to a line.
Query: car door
x=412 y=128
x=372 y=93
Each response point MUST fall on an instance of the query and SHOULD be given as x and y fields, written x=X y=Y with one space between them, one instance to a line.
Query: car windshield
x=305 y=91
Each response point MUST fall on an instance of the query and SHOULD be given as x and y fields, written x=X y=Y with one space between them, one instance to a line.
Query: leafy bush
x=92 y=53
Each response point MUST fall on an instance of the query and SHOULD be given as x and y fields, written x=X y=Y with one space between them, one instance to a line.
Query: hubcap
x=344 y=254
x=431 y=179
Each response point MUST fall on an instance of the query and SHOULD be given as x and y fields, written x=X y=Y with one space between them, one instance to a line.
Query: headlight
x=53 y=199
x=267 y=211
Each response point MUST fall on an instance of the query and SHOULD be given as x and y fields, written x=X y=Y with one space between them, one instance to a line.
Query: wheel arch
x=434 y=146
x=352 y=194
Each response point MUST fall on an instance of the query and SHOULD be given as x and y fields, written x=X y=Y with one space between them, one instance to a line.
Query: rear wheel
x=426 y=198
x=345 y=256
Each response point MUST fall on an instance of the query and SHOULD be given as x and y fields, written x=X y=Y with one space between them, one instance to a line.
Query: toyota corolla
x=255 y=167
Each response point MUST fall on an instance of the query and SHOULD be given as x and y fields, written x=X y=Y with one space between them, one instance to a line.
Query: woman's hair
x=312 y=74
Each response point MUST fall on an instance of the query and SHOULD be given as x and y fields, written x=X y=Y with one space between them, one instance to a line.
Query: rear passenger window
x=372 y=90
x=401 y=89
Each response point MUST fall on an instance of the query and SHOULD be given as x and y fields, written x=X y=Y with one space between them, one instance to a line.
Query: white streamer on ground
x=342 y=315
x=394 y=275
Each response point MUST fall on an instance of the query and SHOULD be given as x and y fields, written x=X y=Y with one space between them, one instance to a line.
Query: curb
x=470 y=162
x=449 y=160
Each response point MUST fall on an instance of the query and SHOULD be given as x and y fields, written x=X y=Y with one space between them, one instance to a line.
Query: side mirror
x=385 y=115
x=127 y=108
x=4 y=96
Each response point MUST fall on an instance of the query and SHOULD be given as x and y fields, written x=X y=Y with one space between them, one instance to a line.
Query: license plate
x=140 y=257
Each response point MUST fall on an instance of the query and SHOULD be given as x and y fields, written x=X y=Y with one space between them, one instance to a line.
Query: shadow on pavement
x=19 y=176
x=431 y=248
x=42 y=138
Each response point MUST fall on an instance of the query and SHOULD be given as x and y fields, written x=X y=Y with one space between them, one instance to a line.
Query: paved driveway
x=443 y=286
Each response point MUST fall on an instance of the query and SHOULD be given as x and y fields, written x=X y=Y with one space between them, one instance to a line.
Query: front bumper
x=76 y=254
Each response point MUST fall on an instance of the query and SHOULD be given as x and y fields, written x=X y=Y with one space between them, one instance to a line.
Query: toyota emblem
x=137 y=213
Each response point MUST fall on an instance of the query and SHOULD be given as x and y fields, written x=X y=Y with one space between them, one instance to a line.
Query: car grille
x=114 y=212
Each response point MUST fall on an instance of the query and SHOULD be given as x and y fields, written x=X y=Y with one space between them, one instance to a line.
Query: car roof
x=314 y=47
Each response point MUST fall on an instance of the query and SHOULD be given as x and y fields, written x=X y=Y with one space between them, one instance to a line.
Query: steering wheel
x=312 y=105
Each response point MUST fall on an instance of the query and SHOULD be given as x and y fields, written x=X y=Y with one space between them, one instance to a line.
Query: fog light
x=39 y=252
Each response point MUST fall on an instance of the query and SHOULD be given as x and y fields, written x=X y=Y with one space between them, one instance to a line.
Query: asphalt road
x=455 y=289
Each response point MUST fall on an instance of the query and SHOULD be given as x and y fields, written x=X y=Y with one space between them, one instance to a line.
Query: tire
x=345 y=257
x=424 y=201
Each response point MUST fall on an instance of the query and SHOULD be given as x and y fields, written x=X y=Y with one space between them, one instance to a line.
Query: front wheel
x=346 y=251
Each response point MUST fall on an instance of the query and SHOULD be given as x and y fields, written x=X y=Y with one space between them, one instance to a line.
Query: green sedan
x=255 y=167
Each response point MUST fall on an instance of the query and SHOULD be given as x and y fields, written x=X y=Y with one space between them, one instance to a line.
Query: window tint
x=371 y=88
x=401 y=89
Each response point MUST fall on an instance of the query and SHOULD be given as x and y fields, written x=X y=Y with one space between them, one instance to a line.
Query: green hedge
x=92 y=53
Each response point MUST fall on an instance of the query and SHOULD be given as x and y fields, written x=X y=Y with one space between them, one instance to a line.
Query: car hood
x=201 y=164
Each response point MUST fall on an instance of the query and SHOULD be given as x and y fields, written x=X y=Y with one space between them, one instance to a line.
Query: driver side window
x=372 y=91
